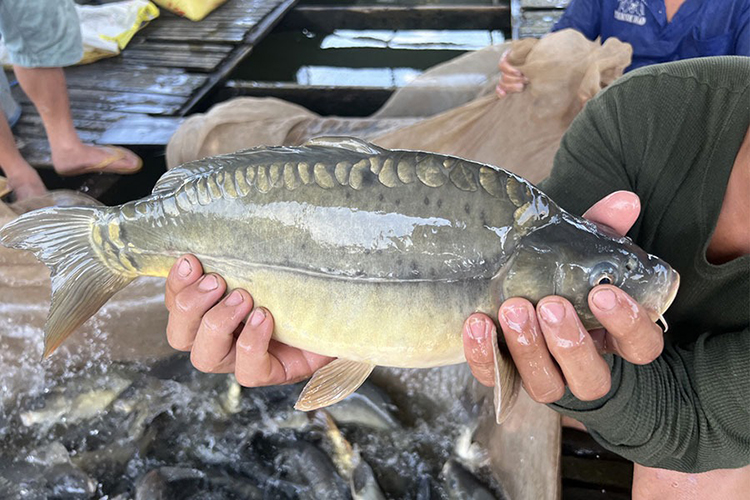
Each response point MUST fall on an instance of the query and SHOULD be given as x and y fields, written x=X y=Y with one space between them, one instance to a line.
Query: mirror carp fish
x=368 y=255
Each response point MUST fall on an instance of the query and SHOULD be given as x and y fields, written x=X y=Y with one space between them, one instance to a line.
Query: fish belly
x=399 y=324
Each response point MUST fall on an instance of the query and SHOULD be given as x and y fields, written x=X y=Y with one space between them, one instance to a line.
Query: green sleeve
x=689 y=410
x=590 y=162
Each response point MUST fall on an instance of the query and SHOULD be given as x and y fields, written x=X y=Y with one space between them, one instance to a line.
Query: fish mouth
x=672 y=292
x=658 y=314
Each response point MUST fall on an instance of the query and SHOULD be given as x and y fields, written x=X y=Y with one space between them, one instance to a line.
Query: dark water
x=369 y=58
x=167 y=431
x=374 y=58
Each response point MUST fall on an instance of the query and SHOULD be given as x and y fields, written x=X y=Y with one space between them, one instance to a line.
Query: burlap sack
x=520 y=133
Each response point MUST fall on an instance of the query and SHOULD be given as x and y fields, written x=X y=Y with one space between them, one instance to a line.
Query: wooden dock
x=168 y=69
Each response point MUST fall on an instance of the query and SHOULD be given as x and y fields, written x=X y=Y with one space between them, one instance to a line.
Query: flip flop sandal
x=117 y=154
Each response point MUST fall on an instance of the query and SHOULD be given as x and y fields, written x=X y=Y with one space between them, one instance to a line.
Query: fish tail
x=62 y=238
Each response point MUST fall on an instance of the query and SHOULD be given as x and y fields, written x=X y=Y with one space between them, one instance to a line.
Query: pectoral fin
x=332 y=383
x=507 y=381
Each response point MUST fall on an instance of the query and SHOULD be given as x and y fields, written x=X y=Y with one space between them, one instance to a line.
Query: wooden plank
x=209 y=34
x=157 y=74
x=205 y=64
x=432 y=17
x=141 y=130
x=132 y=78
x=129 y=102
x=28 y=111
x=536 y=23
x=195 y=49
x=34 y=120
x=544 y=4
x=25 y=131
x=324 y=100
x=198 y=56
x=229 y=23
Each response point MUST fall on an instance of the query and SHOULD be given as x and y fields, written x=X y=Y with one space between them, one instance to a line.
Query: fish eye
x=603 y=274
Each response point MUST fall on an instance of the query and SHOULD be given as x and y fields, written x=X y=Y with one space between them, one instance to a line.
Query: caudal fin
x=61 y=238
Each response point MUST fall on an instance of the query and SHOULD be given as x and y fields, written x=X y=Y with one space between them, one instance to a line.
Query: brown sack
x=522 y=132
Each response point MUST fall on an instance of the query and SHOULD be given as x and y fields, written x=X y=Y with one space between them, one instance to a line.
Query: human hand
x=511 y=79
x=550 y=346
x=221 y=337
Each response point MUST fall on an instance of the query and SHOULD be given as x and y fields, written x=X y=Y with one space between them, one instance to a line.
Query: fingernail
x=257 y=317
x=605 y=299
x=552 y=312
x=235 y=298
x=208 y=283
x=184 y=268
x=479 y=329
x=515 y=316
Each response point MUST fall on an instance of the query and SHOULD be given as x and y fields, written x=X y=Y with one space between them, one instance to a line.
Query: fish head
x=570 y=256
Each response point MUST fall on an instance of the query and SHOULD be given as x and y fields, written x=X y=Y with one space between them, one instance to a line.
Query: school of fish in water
x=166 y=431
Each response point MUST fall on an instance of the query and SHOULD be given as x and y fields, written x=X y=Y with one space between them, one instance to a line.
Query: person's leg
x=661 y=484
x=22 y=178
x=47 y=90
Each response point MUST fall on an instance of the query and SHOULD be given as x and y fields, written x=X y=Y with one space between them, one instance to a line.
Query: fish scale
x=371 y=256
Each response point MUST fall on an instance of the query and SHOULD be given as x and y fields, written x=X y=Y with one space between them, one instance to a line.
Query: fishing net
x=449 y=109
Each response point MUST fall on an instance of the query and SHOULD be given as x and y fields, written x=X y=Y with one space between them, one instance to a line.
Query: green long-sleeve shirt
x=671 y=134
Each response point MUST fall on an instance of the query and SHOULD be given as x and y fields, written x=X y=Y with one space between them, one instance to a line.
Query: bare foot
x=26 y=183
x=86 y=159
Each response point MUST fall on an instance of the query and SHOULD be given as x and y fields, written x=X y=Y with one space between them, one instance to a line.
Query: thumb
x=618 y=210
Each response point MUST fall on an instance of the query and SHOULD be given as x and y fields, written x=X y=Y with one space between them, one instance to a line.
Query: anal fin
x=507 y=381
x=332 y=383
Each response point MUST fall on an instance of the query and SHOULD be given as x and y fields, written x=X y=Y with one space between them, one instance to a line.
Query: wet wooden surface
x=165 y=72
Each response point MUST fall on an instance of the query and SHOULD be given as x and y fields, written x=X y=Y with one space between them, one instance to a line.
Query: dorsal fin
x=350 y=143
x=177 y=176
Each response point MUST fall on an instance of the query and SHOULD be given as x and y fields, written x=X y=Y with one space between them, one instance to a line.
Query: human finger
x=585 y=371
x=190 y=304
x=540 y=374
x=185 y=271
x=478 y=349
x=509 y=80
x=213 y=348
x=298 y=364
x=506 y=67
x=619 y=210
x=638 y=339
x=261 y=361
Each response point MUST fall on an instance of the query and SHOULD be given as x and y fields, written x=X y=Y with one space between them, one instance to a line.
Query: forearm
x=687 y=411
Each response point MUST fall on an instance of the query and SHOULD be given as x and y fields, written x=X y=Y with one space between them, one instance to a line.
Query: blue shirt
x=699 y=28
